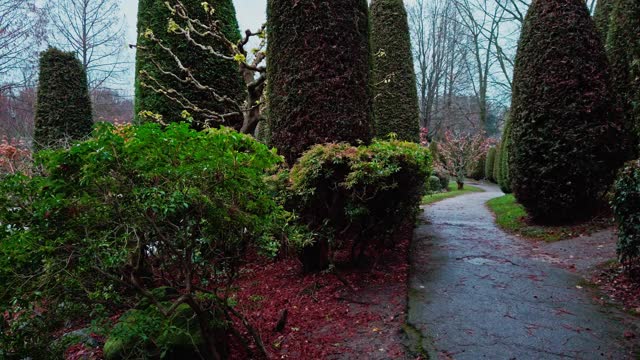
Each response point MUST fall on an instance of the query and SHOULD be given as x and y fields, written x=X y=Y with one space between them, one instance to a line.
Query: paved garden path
x=479 y=293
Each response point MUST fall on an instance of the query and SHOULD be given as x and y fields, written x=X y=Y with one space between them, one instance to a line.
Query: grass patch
x=453 y=192
x=512 y=217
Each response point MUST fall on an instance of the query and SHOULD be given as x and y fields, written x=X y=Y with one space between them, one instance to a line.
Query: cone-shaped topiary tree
x=602 y=17
x=395 y=96
x=215 y=72
x=504 y=180
x=63 y=108
x=496 y=164
x=318 y=74
x=489 y=163
x=564 y=133
x=623 y=50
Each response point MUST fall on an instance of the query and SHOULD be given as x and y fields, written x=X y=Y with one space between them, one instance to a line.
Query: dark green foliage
x=623 y=48
x=443 y=176
x=131 y=202
x=565 y=134
x=220 y=74
x=602 y=17
x=626 y=207
x=489 y=164
x=395 y=96
x=477 y=171
x=63 y=109
x=318 y=74
x=434 y=184
x=504 y=179
x=433 y=148
x=496 y=164
x=357 y=196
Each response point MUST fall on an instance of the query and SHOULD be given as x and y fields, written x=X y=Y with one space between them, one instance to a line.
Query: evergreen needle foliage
x=318 y=74
x=395 y=97
x=221 y=74
x=565 y=135
x=63 y=109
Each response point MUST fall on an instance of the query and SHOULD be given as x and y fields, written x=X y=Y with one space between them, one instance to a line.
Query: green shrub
x=489 y=164
x=395 y=95
x=477 y=170
x=318 y=74
x=496 y=164
x=357 y=195
x=443 y=176
x=63 y=107
x=434 y=184
x=626 y=207
x=565 y=131
x=219 y=74
x=623 y=49
x=504 y=179
x=132 y=208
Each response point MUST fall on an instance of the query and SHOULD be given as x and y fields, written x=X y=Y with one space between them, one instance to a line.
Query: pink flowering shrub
x=457 y=152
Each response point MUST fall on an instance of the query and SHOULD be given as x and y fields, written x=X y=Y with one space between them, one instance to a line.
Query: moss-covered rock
x=63 y=108
x=395 y=97
x=222 y=75
x=565 y=133
x=318 y=74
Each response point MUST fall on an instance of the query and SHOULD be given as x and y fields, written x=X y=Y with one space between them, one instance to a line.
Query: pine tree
x=318 y=74
x=395 y=97
x=63 y=108
x=565 y=133
x=623 y=50
x=220 y=74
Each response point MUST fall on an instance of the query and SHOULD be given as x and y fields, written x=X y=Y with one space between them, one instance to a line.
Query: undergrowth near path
x=512 y=217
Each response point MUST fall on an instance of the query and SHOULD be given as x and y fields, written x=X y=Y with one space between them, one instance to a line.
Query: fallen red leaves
x=620 y=287
x=332 y=315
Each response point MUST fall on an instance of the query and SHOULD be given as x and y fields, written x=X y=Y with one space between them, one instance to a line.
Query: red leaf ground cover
x=346 y=313
x=620 y=286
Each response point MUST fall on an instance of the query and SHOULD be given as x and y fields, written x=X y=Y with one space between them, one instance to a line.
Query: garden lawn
x=453 y=192
x=512 y=217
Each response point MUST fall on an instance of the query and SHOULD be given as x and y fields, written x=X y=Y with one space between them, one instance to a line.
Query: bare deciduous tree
x=21 y=30
x=94 y=30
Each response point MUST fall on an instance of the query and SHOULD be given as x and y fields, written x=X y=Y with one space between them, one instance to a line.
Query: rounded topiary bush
x=63 y=107
x=565 y=132
x=318 y=74
x=359 y=195
x=395 y=96
x=626 y=207
x=434 y=184
x=219 y=74
x=489 y=164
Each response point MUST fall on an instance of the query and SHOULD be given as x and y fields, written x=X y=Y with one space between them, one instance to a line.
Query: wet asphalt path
x=476 y=294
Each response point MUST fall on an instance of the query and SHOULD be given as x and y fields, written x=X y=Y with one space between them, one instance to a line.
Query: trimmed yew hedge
x=564 y=129
x=318 y=74
x=220 y=74
x=63 y=108
x=626 y=207
x=395 y=96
